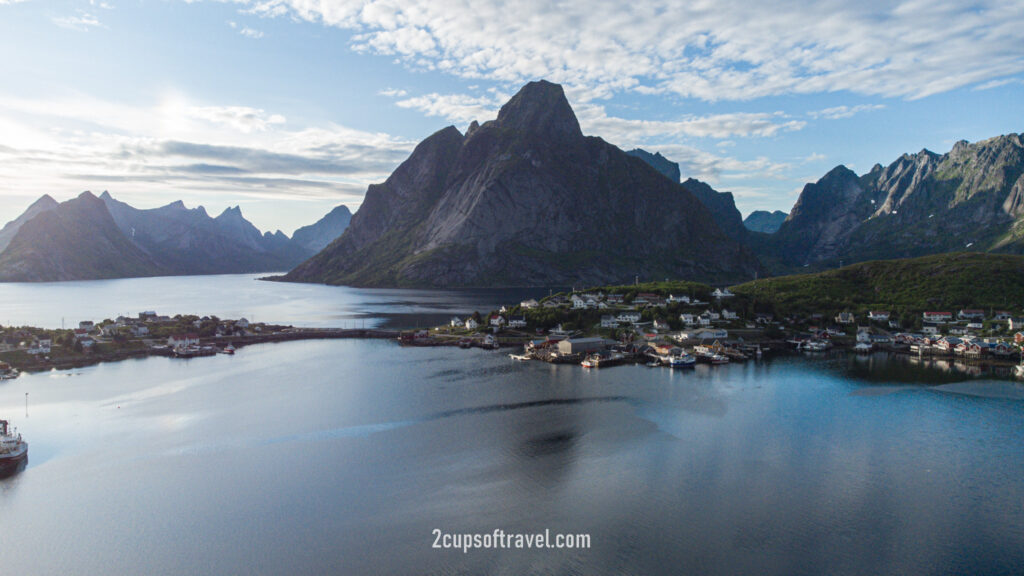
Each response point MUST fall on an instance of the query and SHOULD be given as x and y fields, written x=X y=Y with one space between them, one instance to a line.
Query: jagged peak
x=176 y=205
x=88 y=195
x=231 y=212
x=473 y=126
x=540 y=107
x=106 y=196
x=44 y=201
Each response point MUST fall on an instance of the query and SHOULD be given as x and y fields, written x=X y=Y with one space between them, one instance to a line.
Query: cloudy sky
x=290 y=107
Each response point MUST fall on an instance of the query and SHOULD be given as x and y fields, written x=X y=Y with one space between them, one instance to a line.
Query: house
x=975 y=325
x=140 y=330
x=517 y=321
x=878 y=315
x=1016 y=323
x=629 y=317
x=577 y=302
x=147 y=316
x=704 y=320
x=87 y=342
x=1002 y=315
x=497 y=321
x=81 y=333
x=894 y=324
x=763 y=318
x=845 y=318
x=947 y=343
x=552 y=303
x=529 y=304
x=706 y=334
x=609 y=321
x=661 y=325
x=455 y=322
x=615 y=299
x=242 y=323
x=1018 y=338
x=183 y=340
x=1002 y=348
x=930 y=330
x=42 y=346
x=471 y=324
x=971 y=314
x=864 y=336
x=937 y=317
x=672 y=298
x=969 y=348
x=580 y=345
x=722 y=293
x=688 y=319
x=712 y=315
x=87 y=325
x=729 y=314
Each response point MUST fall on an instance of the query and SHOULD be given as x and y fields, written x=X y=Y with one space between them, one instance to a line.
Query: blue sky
x=290 y=107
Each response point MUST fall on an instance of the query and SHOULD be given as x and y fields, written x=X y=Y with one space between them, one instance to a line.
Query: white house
x=528 y=304
x=629 y=317
x=661 y=325
x=41 y=347
x=242 y=323
x=844 y=318
x=971 y=314
x=705 y=334
x=577 y=302
x=517 y=321
x=688 y=319
x=497 y=321
x=140 y=330
x=471 y=324
x=878 y=315
x=722 y=293
x=456 y=322
x=937 y=317
x=729 y=314
x=609 y=321
x=678 y=299
x=86 y=325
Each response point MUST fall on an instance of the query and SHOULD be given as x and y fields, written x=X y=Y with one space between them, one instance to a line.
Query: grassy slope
x=941 y=282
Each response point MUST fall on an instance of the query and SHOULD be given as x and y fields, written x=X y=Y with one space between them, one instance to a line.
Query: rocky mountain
x=189 y=241
x=74 y=240
x=526 y=199
x=667 y=167
x=764 y=221
x=39 y=206
x=316 y=237
x=971 y=198
x=91 y=238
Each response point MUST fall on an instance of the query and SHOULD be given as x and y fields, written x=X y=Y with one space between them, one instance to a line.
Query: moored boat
x=682 y=361
x=13 y=449
x=7 y=372
x=229 y=349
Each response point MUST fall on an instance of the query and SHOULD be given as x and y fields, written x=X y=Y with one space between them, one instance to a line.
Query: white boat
x=682 y=361
x=7 y=372
x=13 y=449
x=519 y=357
x=862 y=348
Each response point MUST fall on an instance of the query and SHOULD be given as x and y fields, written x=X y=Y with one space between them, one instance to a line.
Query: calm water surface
x=237 y=295
x=340 y=457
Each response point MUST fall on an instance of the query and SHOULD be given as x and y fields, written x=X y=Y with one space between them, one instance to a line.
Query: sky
x=288 y=108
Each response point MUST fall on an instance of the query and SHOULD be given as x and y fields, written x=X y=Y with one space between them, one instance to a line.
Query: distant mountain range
x=316 y=237
x=526 y=200
x=91 y=238
x=764 y=221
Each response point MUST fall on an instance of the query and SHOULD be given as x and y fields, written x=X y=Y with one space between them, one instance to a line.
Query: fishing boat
x=13 y=449
x=7 y=372
x=519 y=357
x=229 y=349
x=719 y=359
x=682 y=361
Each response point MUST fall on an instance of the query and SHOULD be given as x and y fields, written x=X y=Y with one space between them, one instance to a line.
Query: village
x=147 y=334
x=598 y=328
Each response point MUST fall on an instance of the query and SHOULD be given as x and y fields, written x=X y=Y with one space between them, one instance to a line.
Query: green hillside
x=944 y=282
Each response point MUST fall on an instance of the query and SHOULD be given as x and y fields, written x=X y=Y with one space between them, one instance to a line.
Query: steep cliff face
x=971 y=198
x=667 y=167
x=41 y=205
x=76 y=240
x=526 y=199
x=722 y=207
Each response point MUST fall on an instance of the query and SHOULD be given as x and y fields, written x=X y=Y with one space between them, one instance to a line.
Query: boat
x=229 y=349
x=862 y=348
x=591 y=362
x=815 y=345
x=13 y=449
x=519 y=357
x=682 y=361
x=719 y=359
x=7 y=372
x=653 y=364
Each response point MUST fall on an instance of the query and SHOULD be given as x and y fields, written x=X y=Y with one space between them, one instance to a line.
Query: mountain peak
x=106 y=196
x=230 y=212
x=540 y=107
x=44 y=202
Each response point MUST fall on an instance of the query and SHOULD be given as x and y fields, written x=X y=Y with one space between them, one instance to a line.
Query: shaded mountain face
x=764 y=221
x=188 y=241
x=667 y=167
x=969 y=199
x=316 y=237
x=39 y=206
x=75 y=240
x=722 y=207
x=526 y=199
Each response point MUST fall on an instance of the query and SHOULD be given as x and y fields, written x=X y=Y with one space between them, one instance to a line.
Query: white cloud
x=998 y=83
x=712 y=50
x=81 y=21
x=837 y=112
x=246 y=31
x=175 y=148
x=462 y=108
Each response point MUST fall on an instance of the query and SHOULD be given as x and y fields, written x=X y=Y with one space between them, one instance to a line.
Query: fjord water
x=341 y=457
x=48 y=304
